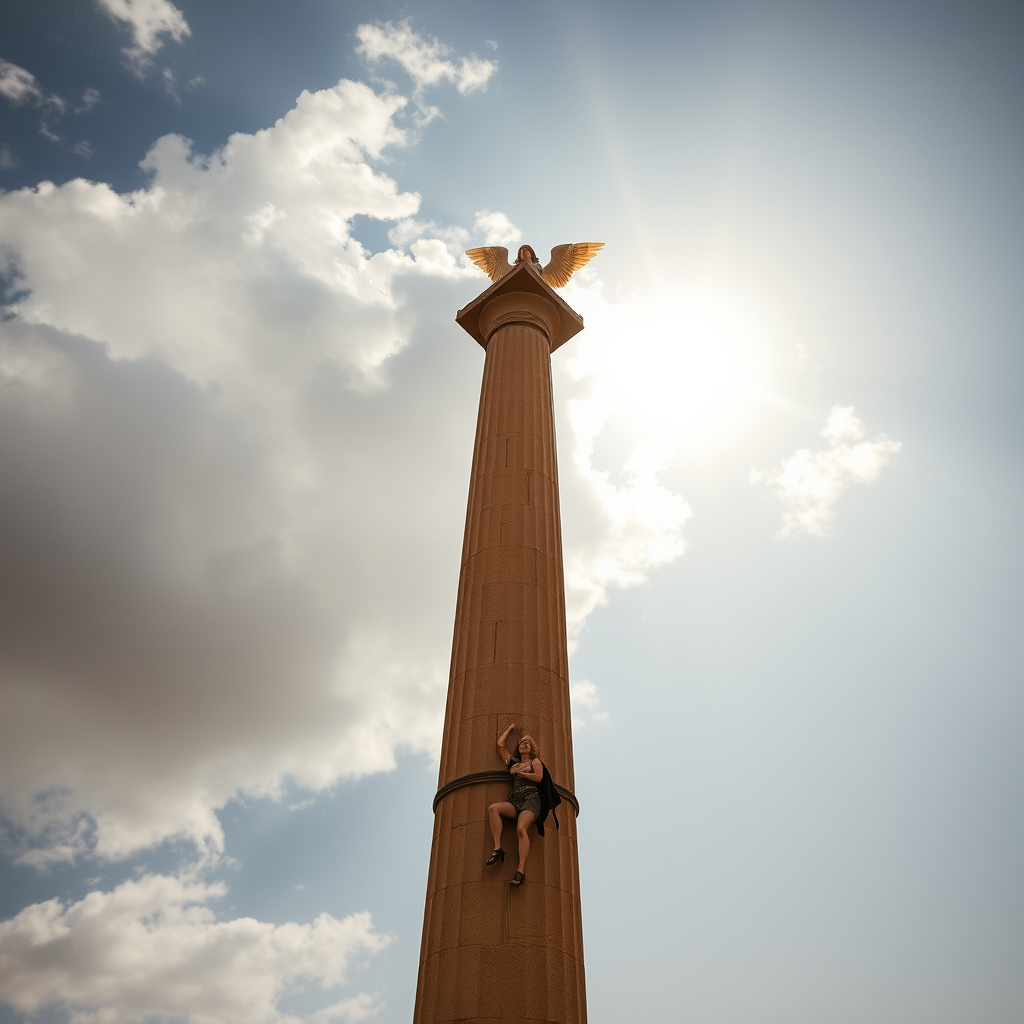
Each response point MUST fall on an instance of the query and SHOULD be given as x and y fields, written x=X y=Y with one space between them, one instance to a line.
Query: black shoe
x=497 y=857
x=517 y=879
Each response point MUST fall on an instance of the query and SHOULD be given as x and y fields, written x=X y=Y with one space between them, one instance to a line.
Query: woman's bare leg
x=526 y=819
x=495 y=813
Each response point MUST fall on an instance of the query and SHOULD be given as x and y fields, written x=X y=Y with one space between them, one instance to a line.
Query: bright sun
x=664 y=372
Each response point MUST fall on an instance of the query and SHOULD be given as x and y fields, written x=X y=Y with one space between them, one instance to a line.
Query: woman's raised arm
x=502 y=752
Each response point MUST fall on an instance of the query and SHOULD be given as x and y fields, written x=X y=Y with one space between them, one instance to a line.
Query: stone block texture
x=492 y=953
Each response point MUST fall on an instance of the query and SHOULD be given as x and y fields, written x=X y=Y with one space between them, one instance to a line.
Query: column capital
x=484 y=314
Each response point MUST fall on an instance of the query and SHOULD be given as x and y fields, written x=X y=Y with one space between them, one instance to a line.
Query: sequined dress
x=525 y=795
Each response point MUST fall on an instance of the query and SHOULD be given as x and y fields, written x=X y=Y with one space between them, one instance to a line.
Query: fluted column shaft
x=490 y=953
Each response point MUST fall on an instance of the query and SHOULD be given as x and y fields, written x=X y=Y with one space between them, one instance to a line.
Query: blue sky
x=237 y=419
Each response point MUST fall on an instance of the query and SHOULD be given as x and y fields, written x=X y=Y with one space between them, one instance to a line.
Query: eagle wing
x=492 y=260
x=567 y=259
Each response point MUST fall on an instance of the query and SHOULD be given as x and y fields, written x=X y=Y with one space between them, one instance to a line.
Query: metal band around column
x=494 y=776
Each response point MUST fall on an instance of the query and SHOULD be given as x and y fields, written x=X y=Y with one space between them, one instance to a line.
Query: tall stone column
x=491 y=953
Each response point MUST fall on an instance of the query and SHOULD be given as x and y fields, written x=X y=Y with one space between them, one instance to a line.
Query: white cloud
x=169 y=84
x=636 y=526
x=426 y=61
x=496 y=228
x=651 y=376
x=19 y=86
x=583 y=694
x=48 y=133
x=410 y=230
x=811 y=481
x=285 y=194
x=148 y=21
x=224 y=562
x=89 y=100
x=842 y=425
x=153 y=948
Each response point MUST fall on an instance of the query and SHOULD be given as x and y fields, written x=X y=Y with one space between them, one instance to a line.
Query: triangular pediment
x=522 y=278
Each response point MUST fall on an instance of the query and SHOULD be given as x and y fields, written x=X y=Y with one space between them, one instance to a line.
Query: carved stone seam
x=536 y=325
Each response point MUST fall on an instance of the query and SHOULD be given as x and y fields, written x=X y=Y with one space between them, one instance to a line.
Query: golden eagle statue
x=565 y=260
